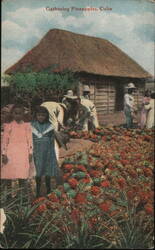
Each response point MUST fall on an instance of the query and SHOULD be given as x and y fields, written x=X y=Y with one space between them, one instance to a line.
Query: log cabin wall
x=104 y=98
x=139 y=93
x=102 y=93
x=107 y=93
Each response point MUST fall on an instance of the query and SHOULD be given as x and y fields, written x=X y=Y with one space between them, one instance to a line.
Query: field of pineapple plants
x=105 y=202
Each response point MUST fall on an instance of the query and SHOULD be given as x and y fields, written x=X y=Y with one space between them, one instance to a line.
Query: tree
x=45 y=84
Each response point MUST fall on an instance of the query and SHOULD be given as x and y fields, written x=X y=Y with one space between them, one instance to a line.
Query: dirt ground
x=74 y=146
x=117 y=118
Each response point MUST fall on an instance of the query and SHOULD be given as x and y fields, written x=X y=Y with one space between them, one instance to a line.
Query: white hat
x=70 y=94
x=131 y=86
x=86 y=88
x=71 y=97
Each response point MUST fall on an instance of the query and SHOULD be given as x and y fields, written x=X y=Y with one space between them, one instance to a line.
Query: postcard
x=77 y=116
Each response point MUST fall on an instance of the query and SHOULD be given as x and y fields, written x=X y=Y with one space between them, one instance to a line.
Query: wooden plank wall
x=103 y=94
x=104 y=98
x=138 y=96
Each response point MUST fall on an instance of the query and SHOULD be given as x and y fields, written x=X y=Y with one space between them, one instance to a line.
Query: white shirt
x=89 y=105
x=129 y=101
x=55 y=113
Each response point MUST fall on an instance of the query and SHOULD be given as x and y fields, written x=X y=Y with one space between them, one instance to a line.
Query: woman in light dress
x=144 y=112
x=150 y=108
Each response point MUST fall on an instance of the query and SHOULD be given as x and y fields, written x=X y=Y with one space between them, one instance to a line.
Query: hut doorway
x=119 y=101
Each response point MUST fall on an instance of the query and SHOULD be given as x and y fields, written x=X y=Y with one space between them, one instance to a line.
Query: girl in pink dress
x=146 y=100
x=16 y=149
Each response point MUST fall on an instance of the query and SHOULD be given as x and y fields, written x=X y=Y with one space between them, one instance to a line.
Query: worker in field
x=69 y=95
x=129 y=106
x=83 y=113
x=85 y=101
x=86 y=92
x=69 y=101
x=93 y=119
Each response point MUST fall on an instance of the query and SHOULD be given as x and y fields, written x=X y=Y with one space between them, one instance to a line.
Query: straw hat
x=70 y=94
x=131 y=86
x=86 y=88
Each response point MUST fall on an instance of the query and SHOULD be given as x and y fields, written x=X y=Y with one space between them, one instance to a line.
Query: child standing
x=44 y=152
x=16 y=149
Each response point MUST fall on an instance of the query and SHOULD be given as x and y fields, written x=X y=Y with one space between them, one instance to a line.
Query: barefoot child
x=44 y=152
x=16 y=149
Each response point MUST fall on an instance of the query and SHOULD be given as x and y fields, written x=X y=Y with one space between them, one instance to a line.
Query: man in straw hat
x=83 y=112
x=69 y=101
x=68 y=97
x=129 y=105
x=86 y=92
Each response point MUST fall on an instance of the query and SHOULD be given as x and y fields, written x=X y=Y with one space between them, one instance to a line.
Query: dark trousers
x=129 y=118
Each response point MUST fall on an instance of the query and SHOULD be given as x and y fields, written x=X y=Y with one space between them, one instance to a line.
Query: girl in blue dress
x=43 y=149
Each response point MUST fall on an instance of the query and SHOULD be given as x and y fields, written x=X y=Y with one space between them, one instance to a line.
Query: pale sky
x=128 y=24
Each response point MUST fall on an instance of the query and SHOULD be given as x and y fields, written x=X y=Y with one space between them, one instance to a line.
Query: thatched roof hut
x=80 y=53
x=98 y=63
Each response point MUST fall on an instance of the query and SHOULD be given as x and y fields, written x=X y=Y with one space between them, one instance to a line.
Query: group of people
x=82 y=110
x=30 y=148
x=146 y=109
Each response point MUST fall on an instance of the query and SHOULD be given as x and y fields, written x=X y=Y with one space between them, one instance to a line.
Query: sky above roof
x=129 y=24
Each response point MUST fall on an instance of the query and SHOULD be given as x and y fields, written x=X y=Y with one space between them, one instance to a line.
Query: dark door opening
x=119 y=101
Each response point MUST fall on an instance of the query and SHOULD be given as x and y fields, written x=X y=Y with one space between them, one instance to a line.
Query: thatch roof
x=79 y=53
